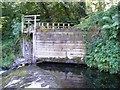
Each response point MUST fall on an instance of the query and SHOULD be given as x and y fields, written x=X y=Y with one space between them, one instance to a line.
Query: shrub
x=104 y=52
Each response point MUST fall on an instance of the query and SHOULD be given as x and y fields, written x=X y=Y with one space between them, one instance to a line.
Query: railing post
x=63 y=25
x=47 y=25
x=53 y=25
x=34 y=42
x=22 y=26
x=28 y=26
x=68 y=25
x=42 y=25
x=23 y=48
x=39 y=23
x=58 y=25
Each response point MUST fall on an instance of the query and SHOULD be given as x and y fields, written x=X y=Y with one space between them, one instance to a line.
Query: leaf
x=106 y=27
x=106 y=18
x=115 y=24
x=115 y=17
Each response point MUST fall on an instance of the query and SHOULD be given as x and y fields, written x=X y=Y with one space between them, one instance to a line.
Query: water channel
x=58 y=75
x=80 y=76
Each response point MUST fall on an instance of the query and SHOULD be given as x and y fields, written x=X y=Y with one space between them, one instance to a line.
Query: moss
x=77 y=58
x=17 y=73
x=45 y=30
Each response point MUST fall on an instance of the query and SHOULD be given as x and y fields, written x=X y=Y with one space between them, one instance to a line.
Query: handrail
x=49 y=25
x=33 y=23
x=31 y=15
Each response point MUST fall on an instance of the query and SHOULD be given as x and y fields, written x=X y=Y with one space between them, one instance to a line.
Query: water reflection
x=79 y=76
x=103 y=80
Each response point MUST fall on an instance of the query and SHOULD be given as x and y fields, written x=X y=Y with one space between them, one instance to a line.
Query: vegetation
x=10 y=42
x=48 y=11
x=104 y=52
x=17 y=73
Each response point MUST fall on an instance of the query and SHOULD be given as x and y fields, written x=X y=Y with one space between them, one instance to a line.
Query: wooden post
x=34 y=42
x=47 y=25
x=58 y=25
x=39 y=23
x=22 y=26
x=23 y=48
x=28 y=26
x=53 y=25
x=63 y=25
x=42 y=25
x=34 y=34
x=68 y=25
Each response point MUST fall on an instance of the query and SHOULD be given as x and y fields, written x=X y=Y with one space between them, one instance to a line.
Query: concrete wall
x=60 y=44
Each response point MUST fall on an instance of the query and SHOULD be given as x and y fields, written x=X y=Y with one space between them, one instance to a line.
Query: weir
x=51 y=41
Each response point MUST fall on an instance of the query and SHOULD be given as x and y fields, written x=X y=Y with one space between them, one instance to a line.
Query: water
x=58 y=75
x=79 y=76
x=28 y=77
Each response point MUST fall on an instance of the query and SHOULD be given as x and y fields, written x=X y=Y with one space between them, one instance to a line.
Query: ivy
x=104 y=52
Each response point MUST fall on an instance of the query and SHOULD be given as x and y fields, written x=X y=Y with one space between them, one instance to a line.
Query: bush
x=10 y=46
x=104 y=52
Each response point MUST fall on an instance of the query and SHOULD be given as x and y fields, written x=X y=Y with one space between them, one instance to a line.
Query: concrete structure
x=53 y=42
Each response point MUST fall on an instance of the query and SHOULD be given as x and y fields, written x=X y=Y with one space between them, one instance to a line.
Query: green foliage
x=7 y=54
x=10 y=33
x=55 y=11
x=16 y=28
x=11 y=47
x=104 y=56
x=92 y=20
x=48 y=11
x=104 y=52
